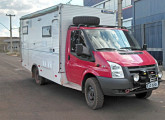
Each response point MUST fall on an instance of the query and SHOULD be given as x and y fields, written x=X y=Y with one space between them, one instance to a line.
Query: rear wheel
x=144 y=95
x=93 y=93
x=38 y=79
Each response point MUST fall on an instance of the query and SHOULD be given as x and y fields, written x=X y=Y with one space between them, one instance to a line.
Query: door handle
x=68 y=57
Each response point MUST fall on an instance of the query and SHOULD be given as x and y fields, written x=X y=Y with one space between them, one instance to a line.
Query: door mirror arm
x=144 y=46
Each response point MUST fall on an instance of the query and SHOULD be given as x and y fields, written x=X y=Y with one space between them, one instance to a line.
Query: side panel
x=24 y=46
x=41 y=45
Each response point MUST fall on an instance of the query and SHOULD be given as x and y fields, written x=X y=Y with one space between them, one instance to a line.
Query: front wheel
x=144 y=95
x=93 y=93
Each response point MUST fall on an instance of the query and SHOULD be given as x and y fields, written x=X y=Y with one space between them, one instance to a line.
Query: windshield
x=110 y=39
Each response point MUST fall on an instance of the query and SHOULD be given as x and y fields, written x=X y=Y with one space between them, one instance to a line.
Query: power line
x=4 y=26
x=69 y=2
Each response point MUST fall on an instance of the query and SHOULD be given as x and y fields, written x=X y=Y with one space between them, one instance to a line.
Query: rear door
x=25 y=46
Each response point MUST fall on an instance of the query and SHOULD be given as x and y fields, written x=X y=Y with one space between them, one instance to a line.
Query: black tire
x=93 y=93
x=144 y=95
x=38 y=79
x=87 y=20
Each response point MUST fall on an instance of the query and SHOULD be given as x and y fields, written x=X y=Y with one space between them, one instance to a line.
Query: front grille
x=146 y=66
x=137 y=69
x=147 y=73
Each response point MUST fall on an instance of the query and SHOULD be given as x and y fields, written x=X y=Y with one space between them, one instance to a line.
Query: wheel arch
x=32 y=69
x=86 y=76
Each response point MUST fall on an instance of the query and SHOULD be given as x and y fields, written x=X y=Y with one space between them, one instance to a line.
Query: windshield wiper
x=132 y=48
x=106 y=49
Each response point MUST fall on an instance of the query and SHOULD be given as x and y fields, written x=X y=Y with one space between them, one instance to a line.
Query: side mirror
x=144 y=46
x=80 y=50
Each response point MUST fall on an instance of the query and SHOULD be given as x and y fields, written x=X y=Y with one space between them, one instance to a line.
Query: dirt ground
x=22 y=99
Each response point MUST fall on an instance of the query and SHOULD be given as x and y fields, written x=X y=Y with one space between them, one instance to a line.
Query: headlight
x=160 y=74
x=116 y=69
x=136 y=77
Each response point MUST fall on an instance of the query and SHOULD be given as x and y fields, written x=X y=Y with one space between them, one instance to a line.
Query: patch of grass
x=13 y=53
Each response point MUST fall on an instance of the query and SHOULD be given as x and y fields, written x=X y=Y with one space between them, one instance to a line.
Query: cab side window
x=77 y=37
x=74 y=40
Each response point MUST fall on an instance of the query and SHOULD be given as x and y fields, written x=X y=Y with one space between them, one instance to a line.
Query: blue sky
x=23 y=7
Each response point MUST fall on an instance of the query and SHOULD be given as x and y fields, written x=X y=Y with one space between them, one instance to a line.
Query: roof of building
x=13 y=40
x=4 y=38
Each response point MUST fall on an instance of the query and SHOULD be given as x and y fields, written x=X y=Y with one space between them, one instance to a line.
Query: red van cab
x=107 y=60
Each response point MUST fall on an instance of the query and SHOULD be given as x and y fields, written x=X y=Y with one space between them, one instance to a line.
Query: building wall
x=148 y=16
x=148 y=11
x=91 y=2
x=16 y=47
x=5 y=44
x=109 y=4
x=113 y=6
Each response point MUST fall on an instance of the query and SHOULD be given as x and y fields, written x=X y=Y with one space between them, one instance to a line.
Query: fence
x=152 y=34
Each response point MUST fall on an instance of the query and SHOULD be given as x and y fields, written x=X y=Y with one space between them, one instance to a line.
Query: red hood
x=127 y=58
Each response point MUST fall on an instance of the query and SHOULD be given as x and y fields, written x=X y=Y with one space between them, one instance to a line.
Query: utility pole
x=11 y=41
x=120 y=18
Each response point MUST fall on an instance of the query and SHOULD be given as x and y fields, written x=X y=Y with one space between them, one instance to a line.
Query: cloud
x=23 y=7
x=18 y=7
x=15 y=33
x=4 y=32
x=15 y=5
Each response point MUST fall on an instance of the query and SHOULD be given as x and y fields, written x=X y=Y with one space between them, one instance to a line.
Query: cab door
x=76 y=65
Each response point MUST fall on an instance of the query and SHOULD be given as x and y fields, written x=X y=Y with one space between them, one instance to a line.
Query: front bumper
x=126 y=86
x=120 y=87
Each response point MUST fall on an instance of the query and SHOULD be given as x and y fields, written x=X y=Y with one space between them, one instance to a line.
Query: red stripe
x=127 y=7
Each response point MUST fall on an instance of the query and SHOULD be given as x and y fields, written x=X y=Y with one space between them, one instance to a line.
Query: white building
x=16 y=44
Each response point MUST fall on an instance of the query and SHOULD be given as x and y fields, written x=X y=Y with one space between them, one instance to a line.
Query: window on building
x=100 y=6
x=126 y=3
x=110 y=5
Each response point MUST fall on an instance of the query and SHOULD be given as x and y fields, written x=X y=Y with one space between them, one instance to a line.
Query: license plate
x=152 y=85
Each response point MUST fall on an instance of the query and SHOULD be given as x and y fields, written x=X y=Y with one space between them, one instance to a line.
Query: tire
x=87 y=20
x=93 y=94
x=144 y=95
x=38 y=79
